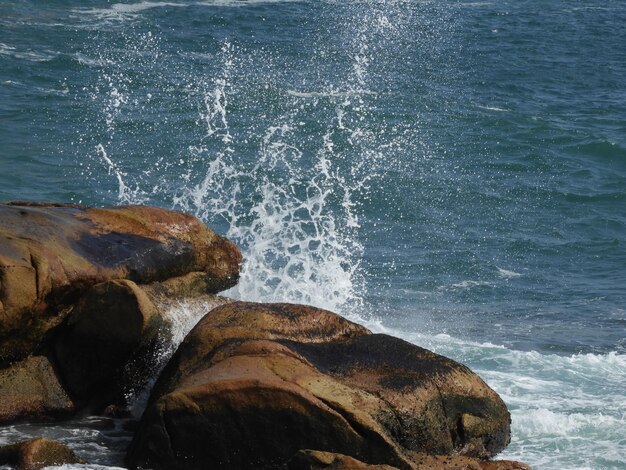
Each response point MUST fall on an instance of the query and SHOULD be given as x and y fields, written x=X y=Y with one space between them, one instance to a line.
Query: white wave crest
x=494 y=108
x=468 y=284
x=506 y=274
x=30 y=55
x=330 y=94
x=128 y=11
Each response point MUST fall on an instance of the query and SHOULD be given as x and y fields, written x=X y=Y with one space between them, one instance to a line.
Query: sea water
x=450 y=172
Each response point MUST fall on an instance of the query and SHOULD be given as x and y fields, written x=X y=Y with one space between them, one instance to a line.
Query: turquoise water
x=450 y=172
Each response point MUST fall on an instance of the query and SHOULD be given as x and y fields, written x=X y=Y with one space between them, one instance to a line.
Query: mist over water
x=453 y=173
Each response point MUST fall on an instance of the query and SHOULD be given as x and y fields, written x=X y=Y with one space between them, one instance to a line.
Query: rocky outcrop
x=84 y=296
x=253 y=384
x=31 y=389
x=83 y=293
x=51 y=254
x=37 y=453
x=317 y=460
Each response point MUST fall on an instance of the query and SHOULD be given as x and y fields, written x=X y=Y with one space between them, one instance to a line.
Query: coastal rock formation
x=84 y=302
x=38 y=453
x=317 y=460
x=252 y=384
x=51 y=254
x=83 y=294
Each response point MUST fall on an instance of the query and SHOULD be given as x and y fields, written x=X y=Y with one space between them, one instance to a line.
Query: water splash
x=287 y=181
x=291 y=208
x=125 y=195
x=181 y=316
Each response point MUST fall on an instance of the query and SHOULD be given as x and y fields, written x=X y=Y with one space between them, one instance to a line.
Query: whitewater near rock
x=250 y=386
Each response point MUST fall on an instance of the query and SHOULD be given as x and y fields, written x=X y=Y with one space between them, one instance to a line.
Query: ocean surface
x=450 y=172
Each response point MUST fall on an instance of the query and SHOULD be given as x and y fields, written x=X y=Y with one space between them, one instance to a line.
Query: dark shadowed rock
x=50 y=254
x=439 y=406
x=30 y=389
x=113 y=322
x=252 y=384
x=38 y=453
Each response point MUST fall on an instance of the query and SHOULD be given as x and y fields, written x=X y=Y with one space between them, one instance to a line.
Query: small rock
x=37 y=453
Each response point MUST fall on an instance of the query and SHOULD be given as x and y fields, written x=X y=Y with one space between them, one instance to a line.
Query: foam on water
x=129 y=11
x=507 y=274
x=567 y=411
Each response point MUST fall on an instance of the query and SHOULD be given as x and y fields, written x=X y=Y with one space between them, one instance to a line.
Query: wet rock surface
x=38 y=453
x=317 y=460
x=50 y=254
x=84 y=295
x=112 y=324
x=260 y=382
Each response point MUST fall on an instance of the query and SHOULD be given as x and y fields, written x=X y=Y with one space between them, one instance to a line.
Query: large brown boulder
x=38 y=453
x=51 y=254
x=31 y=389
x=422 y=461
x=252 y=384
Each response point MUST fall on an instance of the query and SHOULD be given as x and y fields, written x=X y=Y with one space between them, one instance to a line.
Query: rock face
x=111 y=323
x=30 y=388
x=253 y=384
x=51 y=254
x=37 y=453
x=317 y=460
x=83 y=294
